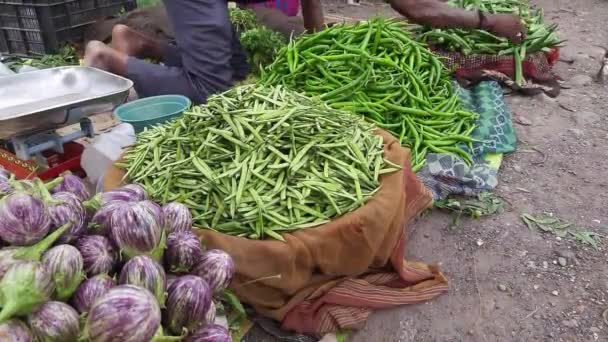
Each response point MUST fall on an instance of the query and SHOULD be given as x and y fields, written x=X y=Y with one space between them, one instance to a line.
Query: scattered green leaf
x=485 y=204
x=557 y=227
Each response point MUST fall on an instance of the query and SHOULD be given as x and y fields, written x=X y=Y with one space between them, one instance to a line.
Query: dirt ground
x=506 y=283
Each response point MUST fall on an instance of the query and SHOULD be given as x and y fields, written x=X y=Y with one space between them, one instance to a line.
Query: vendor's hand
x=506 y=25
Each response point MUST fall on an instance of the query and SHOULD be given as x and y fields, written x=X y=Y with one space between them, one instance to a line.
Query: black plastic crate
x=34 y=27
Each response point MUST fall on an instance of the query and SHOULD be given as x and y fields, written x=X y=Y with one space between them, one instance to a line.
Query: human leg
x=205 y=38
x=136 y=44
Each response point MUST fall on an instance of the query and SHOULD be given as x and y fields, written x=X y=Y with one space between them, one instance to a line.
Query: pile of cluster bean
x=377 y=69
x=259 y=161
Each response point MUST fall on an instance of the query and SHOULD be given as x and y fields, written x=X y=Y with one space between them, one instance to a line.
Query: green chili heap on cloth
x=377 y=69
x=259 y=161
x=540 y=37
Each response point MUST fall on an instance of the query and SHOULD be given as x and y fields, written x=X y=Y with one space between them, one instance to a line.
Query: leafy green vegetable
x=66 y=56
x=261 y=45
x=243 y=19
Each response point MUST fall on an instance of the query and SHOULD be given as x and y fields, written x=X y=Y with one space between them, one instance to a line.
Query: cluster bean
x=259 y=161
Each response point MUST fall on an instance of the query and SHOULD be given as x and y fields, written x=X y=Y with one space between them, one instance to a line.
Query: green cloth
x=494 y=126
x=446 y=174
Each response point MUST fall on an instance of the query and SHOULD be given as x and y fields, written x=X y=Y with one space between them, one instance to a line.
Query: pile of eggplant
x=112 y=267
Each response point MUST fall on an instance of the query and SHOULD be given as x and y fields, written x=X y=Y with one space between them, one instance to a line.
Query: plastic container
x=152 y=110
x=35 y=27
x=104 y=150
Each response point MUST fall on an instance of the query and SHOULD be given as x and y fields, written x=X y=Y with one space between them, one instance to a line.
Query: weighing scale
x=35 y=105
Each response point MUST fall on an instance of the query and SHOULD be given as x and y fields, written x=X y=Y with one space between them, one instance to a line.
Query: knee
x=120 y=31
x=94 y=49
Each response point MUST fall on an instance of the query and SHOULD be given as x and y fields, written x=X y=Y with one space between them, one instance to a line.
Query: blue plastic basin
x=153 y=110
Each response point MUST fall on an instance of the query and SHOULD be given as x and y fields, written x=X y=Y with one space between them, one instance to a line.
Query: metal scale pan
x=44 y=100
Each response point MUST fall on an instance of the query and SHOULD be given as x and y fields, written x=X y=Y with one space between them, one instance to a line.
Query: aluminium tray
x=48 y=99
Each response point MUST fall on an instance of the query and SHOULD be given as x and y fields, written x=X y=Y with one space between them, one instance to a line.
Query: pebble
x=555 y=293
x=570 y=323
x=576 y=132
x=585 y=118
x=553 y=304
x=516 y=168
x=536 y=287
x=562 y=261
x=595 y=330
x=502 y=287
x=545 y=264
x=530 y=264
x=565 y=253
x=580 y=80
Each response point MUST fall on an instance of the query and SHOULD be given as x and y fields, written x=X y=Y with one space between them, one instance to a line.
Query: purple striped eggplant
x=216 y=268
x=98 y=254
x=136 y=231
x=12 y=255
x=8 y=259
x=126 y=313
x=142 y=271
x=100 y=222
x=15 y=330
x=24 y=287
x=171 y=278
x=211 y=333
x=188 y=299
x=67 y=208
x=177 y=217
x=55 y=322
x=65 y=264
x=210 y=314
x=24 y=219
x=90 y=290
x=74 y=185
x=127 y=193
x=183 y=251
x=5 y=187
x=157 y=210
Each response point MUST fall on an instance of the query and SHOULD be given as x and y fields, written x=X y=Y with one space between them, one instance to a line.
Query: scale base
x=32 y=146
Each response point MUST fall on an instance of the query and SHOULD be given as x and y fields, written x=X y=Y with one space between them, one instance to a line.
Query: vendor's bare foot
x=101 y=56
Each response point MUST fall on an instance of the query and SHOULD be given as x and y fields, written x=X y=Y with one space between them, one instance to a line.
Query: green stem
x=50 y=185
x=34 y=252
x=8 y=311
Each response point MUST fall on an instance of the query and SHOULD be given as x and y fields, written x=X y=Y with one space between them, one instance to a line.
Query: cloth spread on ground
x=445 y=174
x=305 y=281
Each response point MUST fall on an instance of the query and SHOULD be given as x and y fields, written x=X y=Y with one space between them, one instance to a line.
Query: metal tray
x=47 y=99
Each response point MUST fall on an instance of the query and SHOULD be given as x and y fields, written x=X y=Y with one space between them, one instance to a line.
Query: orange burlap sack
x=274 y=276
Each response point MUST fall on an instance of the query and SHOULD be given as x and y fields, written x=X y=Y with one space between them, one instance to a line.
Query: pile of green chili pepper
x=259 y=161
x=540 y=37
x=377 y=69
